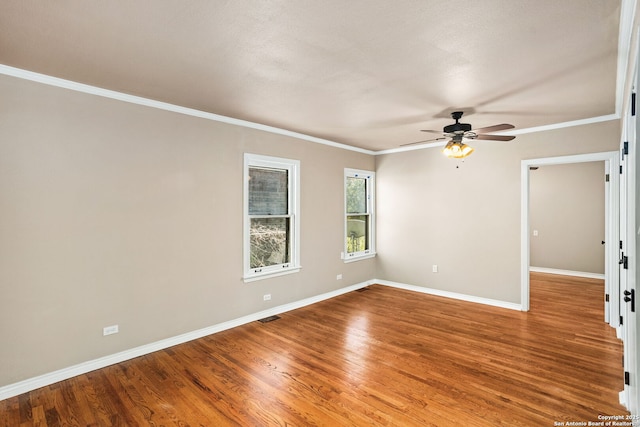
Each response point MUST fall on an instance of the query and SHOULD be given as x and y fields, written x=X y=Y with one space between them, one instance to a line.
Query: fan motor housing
x=457 y=128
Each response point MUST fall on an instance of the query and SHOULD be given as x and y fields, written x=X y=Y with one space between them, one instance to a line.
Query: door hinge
x=606 y=178
x=625 y=149
x=620 y=244
x=627 y=378
x=621 y=320
x=606 y=297
x=620 y=169
x=633 y=103
x=630 y=296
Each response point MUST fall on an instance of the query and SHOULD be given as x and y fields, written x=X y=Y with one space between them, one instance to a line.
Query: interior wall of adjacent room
x=114 y=213
x=567 y=210
x=464 y=215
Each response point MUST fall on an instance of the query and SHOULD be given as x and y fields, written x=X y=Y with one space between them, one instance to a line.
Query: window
x=271 y=221
x=359 y=214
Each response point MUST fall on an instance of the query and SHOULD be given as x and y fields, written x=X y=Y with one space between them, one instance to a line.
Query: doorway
x=567 y=219
x=611 y=160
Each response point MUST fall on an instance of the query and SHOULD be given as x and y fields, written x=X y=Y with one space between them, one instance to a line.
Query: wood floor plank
x=382 y=357
x=10 y=412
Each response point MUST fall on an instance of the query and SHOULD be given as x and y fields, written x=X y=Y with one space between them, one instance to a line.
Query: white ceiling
x=369 y=74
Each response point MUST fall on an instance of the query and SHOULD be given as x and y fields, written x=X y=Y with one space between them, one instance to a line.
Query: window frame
x=370 y=204
x=293 y=203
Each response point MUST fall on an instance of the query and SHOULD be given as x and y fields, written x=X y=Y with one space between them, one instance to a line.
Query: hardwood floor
x=379 y=357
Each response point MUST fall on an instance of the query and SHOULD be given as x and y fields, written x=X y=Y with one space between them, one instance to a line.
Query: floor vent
x=362 y=289
x=269 y=319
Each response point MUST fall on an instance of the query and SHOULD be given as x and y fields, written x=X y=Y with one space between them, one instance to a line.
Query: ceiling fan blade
x=495 y=137
x=430 y=131
x=495 y=128
x=421 y=142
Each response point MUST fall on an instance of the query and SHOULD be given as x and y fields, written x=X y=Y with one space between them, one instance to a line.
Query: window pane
x=356 y=195
x=268 y=191
x=357 y=233
x=269 y=242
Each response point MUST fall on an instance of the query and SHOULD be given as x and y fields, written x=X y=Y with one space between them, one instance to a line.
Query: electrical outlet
x=339 y=277
x=266 y=297
x=434 y=268
x=110 y=330
x=535 y=233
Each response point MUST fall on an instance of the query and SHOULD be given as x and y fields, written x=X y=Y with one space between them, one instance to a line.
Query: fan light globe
x=457 y=149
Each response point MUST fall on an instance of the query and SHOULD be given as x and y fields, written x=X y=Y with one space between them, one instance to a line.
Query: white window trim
x=293 y=166
x=371 y=204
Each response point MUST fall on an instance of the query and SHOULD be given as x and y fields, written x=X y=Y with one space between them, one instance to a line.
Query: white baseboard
x=567 y=272
x=453 y=295
x=30 y=384
x=622 y=397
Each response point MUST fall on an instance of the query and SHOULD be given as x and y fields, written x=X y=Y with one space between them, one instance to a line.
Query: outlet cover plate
x=110 y=330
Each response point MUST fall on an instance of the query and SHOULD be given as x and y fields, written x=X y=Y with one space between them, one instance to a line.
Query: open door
x=627 y=260
x=612 y=232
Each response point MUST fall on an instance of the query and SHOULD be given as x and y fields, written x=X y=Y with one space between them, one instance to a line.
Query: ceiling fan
x=458 y=131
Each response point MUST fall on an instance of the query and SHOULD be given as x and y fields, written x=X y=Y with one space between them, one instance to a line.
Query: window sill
x=270 y=274
x=359 y=257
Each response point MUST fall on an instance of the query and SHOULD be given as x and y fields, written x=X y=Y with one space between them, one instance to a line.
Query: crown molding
x=554 y=126
x=413 y=147
x=138 y=100
x=562 y=125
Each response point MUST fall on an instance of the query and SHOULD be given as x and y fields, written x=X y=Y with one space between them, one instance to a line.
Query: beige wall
x=465 y=216
x=566 y=207
x=113 y=213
